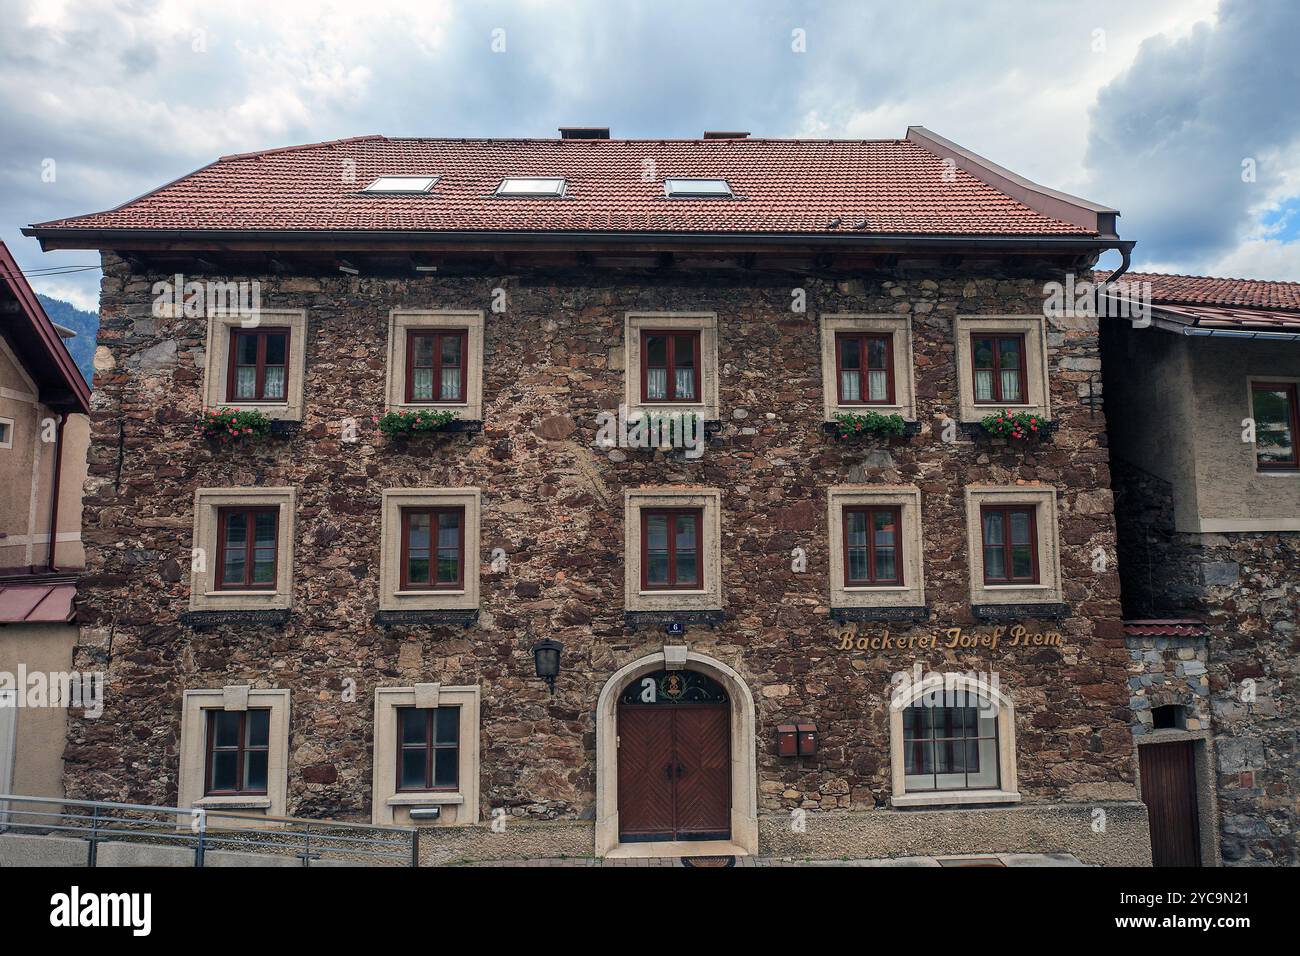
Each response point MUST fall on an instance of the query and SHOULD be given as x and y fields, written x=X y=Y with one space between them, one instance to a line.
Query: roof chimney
x=584 y=132
x=724 y=134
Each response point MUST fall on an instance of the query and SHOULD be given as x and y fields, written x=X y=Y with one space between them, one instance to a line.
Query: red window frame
x=673 y=584
x=863 y=387
x=894 y=512
x=1005 y=512
x=223 y=516
x=241 y=750
x=1291 y=392
x=433 y=584
x=1023 y=376
x=259 y=387
x=430 y=747
x=437 y=335
x=671 y=372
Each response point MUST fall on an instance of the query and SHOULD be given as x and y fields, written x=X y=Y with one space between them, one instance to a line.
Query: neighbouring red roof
x=785 y=186
x=36 y=603
x=1208 y=290
x=40 y=348
x=1173 y=627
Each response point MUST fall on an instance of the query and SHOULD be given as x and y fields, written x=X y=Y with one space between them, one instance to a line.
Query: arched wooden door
x=674 y=758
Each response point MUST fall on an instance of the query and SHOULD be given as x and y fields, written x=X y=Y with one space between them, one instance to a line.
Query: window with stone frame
x=873 y=545
x=238 y=751
x=259 y=365
x=998 y=368
x=670 y=548
x=670 y=366
x=436 y=365
x=864 y=368
x=1009 y=536
x=428 y=749
x=950 y=748
x=433 y=548
x=247 y=540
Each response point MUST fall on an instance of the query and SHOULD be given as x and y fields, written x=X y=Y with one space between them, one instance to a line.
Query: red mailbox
x=796 y=740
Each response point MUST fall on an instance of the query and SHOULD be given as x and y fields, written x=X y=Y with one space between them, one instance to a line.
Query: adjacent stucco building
x=1202 y=413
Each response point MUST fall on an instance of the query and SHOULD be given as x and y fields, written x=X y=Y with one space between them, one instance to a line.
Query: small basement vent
x=1169 y=717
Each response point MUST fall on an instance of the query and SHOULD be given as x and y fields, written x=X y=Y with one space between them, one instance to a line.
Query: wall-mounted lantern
x=546 y=658
x=796 y=740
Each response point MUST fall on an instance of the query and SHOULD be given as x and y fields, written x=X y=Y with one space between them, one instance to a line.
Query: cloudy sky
x=1183 y=114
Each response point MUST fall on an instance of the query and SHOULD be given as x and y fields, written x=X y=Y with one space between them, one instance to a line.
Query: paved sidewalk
x=991 y=859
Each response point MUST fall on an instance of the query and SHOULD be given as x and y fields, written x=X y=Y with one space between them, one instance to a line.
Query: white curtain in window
x=850 y=389
x=878 y=386
x=656 y=383
x=450 y=384
x=274 y=382
x=685 y=382
x=245 y=381
x=984 y=385
x=422 y=384
x=1011 y=386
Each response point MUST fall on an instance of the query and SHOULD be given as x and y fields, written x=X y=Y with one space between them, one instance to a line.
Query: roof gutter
x=1199 y=332
x=63 y=238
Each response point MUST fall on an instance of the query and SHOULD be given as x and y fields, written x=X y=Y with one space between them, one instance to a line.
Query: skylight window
x=697 y=189
x=530 y=186
x=401 y=184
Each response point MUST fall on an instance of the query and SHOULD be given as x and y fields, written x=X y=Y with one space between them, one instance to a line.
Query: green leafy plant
x=231 y=425
x=870 y=423
x=404 y=424
x=1021 y=426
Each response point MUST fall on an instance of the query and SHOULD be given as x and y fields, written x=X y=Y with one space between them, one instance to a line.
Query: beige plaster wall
x=38 y=757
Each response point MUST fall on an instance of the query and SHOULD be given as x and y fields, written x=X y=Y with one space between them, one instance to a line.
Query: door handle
x=668 y=771
x=679 y=771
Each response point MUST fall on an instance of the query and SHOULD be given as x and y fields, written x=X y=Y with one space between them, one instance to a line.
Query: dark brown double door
x=674 y=772
x=1169 y=791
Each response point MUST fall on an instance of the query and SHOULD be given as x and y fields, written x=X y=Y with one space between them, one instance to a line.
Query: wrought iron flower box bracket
x=205 y=619
x=910 y=613
x=1008 y=613
x=463 y=618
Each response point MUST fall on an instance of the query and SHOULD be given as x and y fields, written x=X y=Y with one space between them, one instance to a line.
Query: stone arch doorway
x=708 y=729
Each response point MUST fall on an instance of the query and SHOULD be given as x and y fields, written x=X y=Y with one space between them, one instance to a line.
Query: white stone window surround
x=204 y=595
x=1042 y=498
x=217 y=361
x=194 y=749
x=401 y=322
x=907 y=498
x=709 y=501
x=391 y=595
x=1250 y=413
x=1034 y=329
x=897 y=326
x=457 y=808
x=1007 y=790
x=706 y=323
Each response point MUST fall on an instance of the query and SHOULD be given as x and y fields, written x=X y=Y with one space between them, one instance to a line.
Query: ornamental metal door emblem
x=674 y=687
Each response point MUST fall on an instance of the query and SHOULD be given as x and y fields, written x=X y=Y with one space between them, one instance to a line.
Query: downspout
x=54 y=493
x=1126 y=259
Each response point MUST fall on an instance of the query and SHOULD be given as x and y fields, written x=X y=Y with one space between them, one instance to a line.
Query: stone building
x=1203 y=421
x=758 y=609
x=44 y=430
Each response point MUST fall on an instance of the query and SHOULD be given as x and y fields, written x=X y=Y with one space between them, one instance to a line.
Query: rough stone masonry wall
x=1246 y=587
x=555 y=505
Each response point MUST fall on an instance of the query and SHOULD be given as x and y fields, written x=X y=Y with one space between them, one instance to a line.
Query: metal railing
x=202 y=831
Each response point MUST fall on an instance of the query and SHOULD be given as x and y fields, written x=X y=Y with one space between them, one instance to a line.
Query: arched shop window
x=952 y=738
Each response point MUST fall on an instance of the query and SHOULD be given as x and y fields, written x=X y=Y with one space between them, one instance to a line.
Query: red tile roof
x=1207 y=290
x=36 y=603
x=1173 y=627
x=783 y=186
